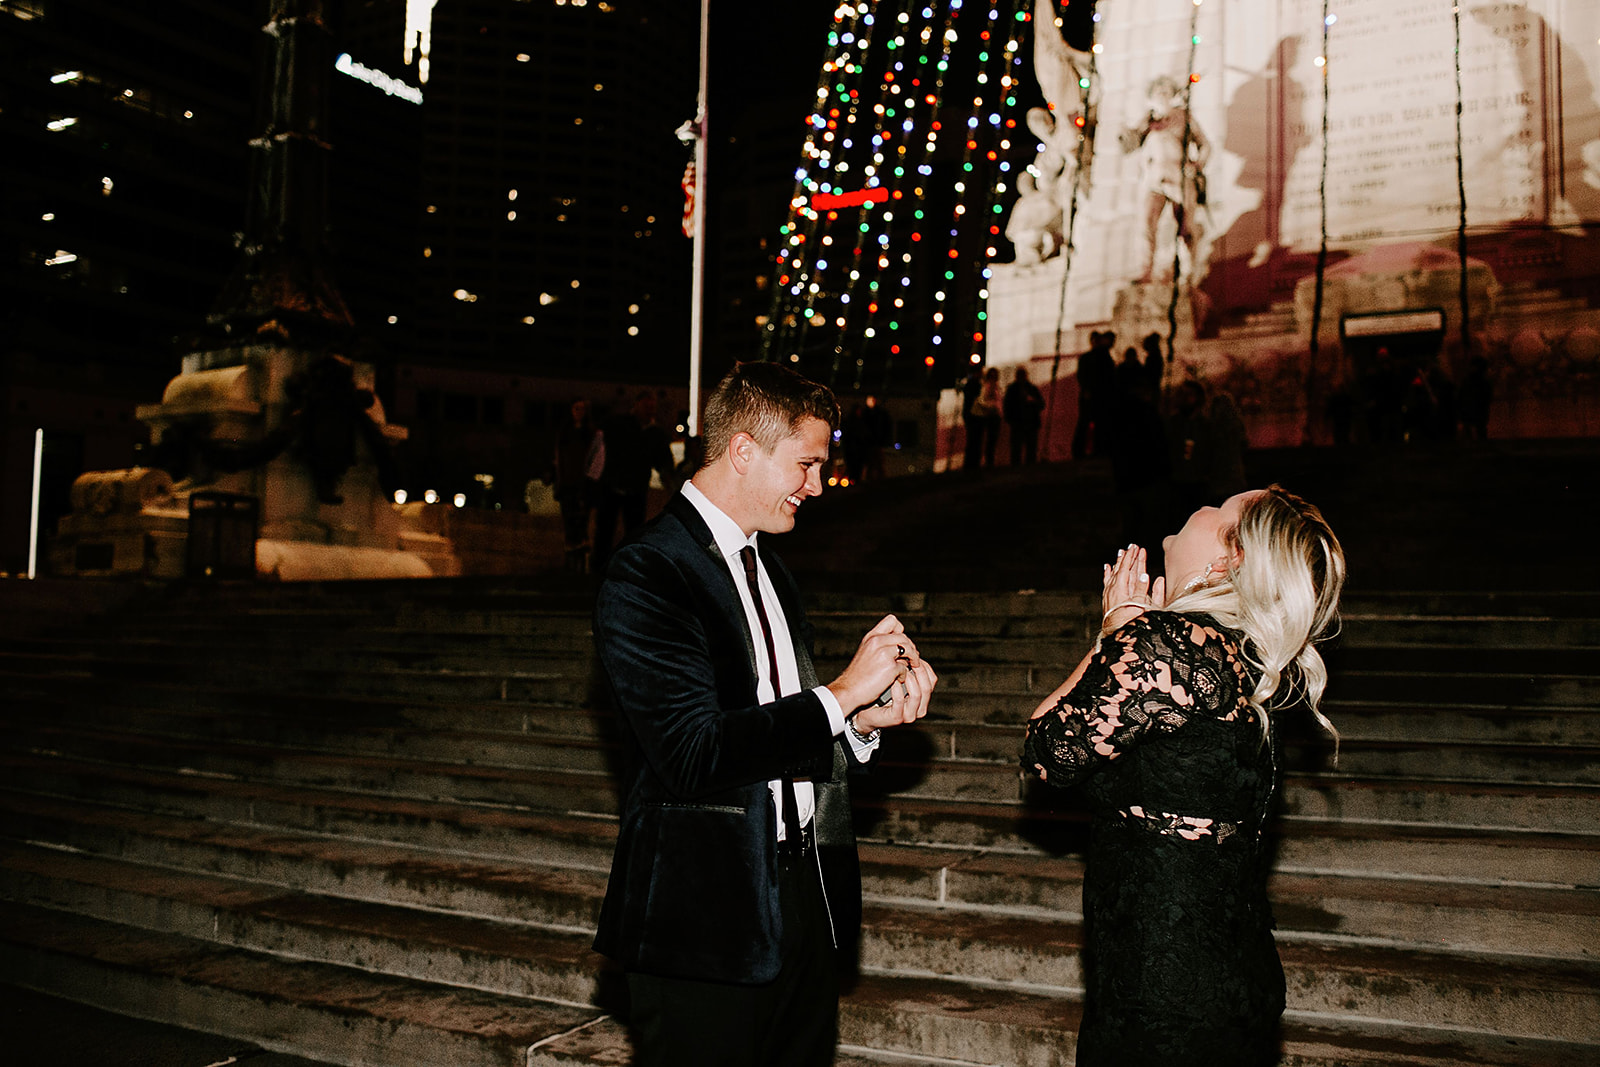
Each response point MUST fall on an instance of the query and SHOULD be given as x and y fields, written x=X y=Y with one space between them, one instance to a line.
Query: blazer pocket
x=712 y=908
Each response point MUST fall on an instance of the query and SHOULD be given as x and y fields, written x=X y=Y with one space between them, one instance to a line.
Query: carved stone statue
x=1174 y=152
x=1065 y=130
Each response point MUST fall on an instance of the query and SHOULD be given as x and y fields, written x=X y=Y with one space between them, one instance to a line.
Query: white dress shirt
x=730 y=539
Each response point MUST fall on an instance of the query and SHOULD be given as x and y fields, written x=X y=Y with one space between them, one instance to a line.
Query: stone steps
x=305 y=1008
x=378 y=1020
x=504 y=953
x=577 y=778
x=544 y=872
x=406 y=792
x=1548 y=748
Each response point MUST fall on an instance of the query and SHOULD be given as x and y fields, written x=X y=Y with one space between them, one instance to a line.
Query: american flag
x=688 y=199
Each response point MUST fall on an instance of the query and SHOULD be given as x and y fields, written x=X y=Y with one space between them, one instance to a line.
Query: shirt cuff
x=862 y=745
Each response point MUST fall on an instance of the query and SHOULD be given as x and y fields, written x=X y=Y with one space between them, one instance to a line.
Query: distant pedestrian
x=1023 y=409
x=634 y=447
x=1141 y=464
x=973 y=425
x=987 y=409
x=575 y=470
x=1096 y=372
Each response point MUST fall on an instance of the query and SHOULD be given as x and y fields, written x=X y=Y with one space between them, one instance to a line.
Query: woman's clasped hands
x=1127 y=592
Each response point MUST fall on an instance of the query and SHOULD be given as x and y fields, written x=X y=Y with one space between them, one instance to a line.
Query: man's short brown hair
x=768 y=401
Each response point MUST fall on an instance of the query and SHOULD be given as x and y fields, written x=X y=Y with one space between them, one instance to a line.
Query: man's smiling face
x=776 y=483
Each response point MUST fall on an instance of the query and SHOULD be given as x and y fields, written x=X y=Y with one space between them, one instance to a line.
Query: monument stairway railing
x=383 y=791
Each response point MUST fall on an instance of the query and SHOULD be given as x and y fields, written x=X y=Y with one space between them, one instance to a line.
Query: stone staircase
x=371 y=824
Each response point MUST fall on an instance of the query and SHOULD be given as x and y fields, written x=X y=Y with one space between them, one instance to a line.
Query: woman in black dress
x=1165 y=728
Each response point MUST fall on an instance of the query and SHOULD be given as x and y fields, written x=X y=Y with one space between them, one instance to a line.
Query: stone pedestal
x=259 y=420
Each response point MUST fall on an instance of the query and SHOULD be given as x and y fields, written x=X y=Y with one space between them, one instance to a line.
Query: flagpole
x=697 y=297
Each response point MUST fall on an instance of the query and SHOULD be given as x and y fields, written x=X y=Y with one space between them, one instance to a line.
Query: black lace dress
x=1180 y=965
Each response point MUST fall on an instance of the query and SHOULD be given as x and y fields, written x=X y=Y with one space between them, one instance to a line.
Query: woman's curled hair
x=1285 y=574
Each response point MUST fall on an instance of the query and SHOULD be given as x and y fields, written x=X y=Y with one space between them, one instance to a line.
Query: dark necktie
x=791 y=808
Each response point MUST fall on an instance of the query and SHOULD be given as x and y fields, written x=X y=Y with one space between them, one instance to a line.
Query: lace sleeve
x=1138 y=681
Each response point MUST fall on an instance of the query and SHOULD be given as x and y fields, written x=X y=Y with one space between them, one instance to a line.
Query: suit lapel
x=718 y=578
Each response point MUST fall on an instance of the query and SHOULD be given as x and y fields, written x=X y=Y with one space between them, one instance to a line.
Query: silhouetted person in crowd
x=579 y=457
x=987 y=408
x=971 y=390
x=1475 y=395
x=634 y=446
x=1189 y=440
x=1096 y=373
x=1140 y=459
x=1023 y=408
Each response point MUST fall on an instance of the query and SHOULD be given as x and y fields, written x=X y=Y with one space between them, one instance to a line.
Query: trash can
x=222 y=535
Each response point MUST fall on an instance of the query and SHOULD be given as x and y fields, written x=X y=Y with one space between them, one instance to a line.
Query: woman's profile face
x=1199 y=544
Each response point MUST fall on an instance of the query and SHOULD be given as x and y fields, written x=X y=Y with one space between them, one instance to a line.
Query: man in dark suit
x=735 y=883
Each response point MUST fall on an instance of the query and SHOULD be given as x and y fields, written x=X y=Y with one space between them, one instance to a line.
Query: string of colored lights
x=1322 y=245
x=889 y=120
x=995 y=189
x=863 y=226
x=839 y=119
x=909 y=124
x=836 y=289
x=934 y=101
x=959 y=208
x=800 y=230
x=800 y=227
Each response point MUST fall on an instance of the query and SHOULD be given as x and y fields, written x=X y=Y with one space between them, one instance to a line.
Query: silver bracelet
x=865 y=739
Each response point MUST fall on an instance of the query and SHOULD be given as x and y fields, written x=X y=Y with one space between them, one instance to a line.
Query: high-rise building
x=124 y=128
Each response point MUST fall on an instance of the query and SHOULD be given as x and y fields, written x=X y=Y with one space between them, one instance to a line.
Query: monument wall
x=1526 y=163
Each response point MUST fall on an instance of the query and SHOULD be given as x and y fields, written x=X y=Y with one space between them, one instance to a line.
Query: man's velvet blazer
x=694 y=882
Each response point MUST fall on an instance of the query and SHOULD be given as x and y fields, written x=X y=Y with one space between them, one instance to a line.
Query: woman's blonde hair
x=1281 y=591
